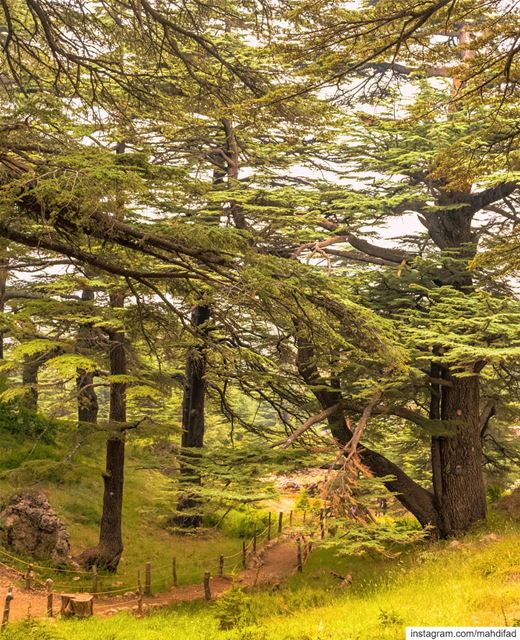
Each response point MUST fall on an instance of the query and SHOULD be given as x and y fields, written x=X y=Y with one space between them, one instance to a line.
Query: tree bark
x=456 y=459
x=86 y=394
x=458 y=479
x=110 y=547
x=193 y=424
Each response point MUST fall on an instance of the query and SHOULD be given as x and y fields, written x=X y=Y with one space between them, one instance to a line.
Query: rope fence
x=80 y=601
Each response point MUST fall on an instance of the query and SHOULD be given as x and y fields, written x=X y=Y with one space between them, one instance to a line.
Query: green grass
x=476 y=582
x=75 y=492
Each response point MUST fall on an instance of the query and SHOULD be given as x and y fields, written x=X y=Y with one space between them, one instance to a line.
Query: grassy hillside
x=474 y=581
x=74 y=490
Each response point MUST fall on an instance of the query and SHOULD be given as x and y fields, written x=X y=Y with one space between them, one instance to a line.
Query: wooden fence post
x=139 y=594
x=280 y=522
x=48 y=588
x=148 y=579
x=269 y=526
x=94 y=580
x=221 y=565
x=174 y=571
x=207 y=590
x=7 y=607
x=29 y=577
x=244 y=554
x=299 y=556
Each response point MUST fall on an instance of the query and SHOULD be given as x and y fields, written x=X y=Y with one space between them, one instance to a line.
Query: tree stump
x=79 y=605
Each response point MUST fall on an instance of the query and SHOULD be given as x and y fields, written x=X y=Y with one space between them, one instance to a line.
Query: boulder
x=30 y=527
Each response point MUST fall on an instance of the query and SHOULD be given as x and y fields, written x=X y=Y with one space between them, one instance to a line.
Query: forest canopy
x=274 y=233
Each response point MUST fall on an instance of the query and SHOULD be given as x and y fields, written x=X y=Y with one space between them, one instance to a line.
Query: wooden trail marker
x=174 y=571
x=148 y=579
x=244 y=554
x=221 y=566
x=94 y=580
x=280 y=522
x=139 y=594
x=207 y=590
x=29 y=578
x=7 y=607
x=48 y=588
x=299 y=556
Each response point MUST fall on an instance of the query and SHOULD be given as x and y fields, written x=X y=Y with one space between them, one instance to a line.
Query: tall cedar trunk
x=110 y=547
x=457 y=467
x=457 y=471
x=86 y=394
x=225 y=166
x=192 y=424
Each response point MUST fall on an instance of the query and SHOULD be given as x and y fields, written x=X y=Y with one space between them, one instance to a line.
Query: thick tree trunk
x=457 y=472
x=108 y=552
x=193 y=425
x=110 y=534
x=457 y=459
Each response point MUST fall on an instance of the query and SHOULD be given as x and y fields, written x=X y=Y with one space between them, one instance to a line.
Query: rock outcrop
x=30 y=527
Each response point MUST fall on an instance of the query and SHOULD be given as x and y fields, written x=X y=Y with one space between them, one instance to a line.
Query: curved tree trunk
x=414 y=497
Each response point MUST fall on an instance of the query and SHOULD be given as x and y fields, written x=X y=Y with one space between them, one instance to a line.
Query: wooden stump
x=79 y=605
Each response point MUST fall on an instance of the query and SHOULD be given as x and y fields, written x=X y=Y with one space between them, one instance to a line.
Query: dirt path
x=274 y=562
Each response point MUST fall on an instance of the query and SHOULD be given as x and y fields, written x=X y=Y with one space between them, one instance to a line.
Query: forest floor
x=275 y=561
x=472 y=581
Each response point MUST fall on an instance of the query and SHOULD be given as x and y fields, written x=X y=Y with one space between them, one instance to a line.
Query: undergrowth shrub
x=24 y=423
x=234 y=610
